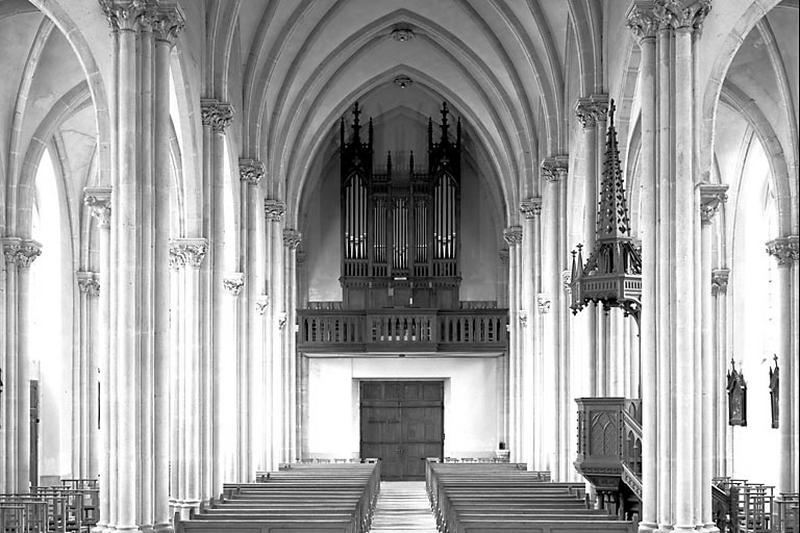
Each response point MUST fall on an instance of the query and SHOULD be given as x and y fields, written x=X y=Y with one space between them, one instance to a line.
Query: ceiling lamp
x=612 y=275
x=403 y=81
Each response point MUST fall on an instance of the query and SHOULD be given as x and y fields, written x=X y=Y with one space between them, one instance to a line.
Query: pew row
x=313 y=498
x=488 y=498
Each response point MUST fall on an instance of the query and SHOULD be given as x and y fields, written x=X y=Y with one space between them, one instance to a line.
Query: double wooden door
x=402 y=423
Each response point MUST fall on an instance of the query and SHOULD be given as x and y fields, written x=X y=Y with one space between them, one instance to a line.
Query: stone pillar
x=141 y=172
x=671 y=386
x=84 y=377
x=216 y=118
x=234 y=386
x=276 y=322
x=719 y=290
x=513 y=237
x=167 y=24
x=785 y=250
x=554 y=339
x=251 y=173
x=642 y=22
x=711 y=196
x=98 y=201
x=592 y=112
x=19 y=254
x=291 y=240
x=535 y=393
x=504 y=424
x=186 y=255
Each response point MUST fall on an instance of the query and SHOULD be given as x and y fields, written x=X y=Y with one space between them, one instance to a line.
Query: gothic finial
x=613 y=219
x=389 y=162
x=444 y=124
x=370 y=132
x=458 y=132
x=411 y=161
x=430 y=133
x=356 y=123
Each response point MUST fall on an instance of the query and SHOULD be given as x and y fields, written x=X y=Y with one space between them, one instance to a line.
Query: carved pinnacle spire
x=444 y=124
x=356 y=123
x=612 y=220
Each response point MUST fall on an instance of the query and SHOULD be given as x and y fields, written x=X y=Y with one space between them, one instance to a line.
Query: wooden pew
x=308 y=498
x=489 y=498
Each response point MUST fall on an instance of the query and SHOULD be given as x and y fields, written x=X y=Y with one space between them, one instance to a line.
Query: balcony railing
x=422 y=330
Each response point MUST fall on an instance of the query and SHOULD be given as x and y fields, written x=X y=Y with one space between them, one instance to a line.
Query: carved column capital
x=566 y=280
x=126 y=15
x=555 y=168
x=98 y=200
x=262 y=304
x=233 y=283
x=215 y=114
x=681 y=14
x=11 y=246
x=187 y=252
x=543 y=303
x=712 y=195
x=292 y=238
x=167 y=22
x=88 y=282
x=719 y=280
x=642 y=20
x=523 y=318
x=274 y=210
x=251 y=171
x=281 y=320
x=592 y=109
x=513 y=235
x=785 y=249
x=21 y=252
x=531 y=207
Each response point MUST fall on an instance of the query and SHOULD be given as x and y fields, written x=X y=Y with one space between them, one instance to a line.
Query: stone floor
x=403 y=506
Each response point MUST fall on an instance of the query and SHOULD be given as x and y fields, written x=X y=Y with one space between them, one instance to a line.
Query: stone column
x=251 y=173
x=276 y=321
x=555 y=341
x=291 y=240
x=84 y=372
x=711 y=197
x=98 y=201
x=643 y=23
x=591 y=112
x=142 y=33
x=216 y=118
x=513 y=237
x=672 y=460
x=719 y=289
x=504 y=425
x=536 y=393
x=186 y=255
x=785 y=250
x=168 y=22
x=233 y=399
x=19 y=254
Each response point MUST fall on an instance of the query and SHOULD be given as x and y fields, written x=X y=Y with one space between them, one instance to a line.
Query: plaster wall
x=471 y=406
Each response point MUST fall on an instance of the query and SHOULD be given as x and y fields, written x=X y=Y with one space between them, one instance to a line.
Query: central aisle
x=403 y=506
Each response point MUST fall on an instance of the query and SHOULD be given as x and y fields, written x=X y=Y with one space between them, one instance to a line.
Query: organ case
x=400 y=230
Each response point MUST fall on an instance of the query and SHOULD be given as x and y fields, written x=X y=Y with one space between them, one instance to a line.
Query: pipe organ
x=400 y=230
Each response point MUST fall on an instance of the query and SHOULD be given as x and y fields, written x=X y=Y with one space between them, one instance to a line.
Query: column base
x=183 y=508
x=163 y=528
x=647 y=527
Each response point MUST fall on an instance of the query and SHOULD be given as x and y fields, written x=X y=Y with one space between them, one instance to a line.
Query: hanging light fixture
x=612 y=275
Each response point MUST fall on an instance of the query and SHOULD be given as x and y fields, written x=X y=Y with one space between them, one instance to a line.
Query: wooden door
x=402 y=423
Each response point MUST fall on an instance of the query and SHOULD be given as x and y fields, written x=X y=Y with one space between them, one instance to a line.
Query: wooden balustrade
x=406 y=329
